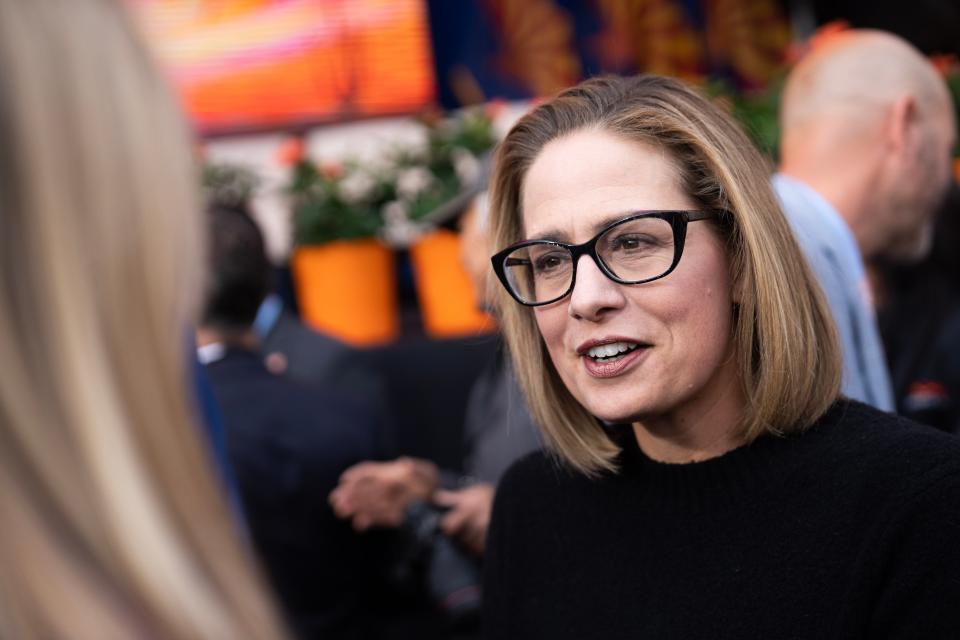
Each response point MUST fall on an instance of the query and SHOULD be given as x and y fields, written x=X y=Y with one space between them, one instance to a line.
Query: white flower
x=466 y=165
x=395 y=212
x=412 y=181
x=402 y=235
x=418 y=146
x=355 y=187
x=398 y=230
x=379 y=163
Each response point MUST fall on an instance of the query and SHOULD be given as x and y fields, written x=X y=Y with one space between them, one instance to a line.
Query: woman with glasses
x=704 y=479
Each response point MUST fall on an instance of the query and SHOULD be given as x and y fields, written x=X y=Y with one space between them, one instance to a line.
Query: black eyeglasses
x=642 y=247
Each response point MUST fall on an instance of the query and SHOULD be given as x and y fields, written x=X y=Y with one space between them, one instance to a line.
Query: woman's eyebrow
x=553 y=235
x=601 y=224
x=556 y=235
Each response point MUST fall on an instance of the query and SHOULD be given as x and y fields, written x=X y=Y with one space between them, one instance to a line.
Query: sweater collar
x=761 y=464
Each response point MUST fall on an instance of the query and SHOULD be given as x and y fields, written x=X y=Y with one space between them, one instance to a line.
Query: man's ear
x=901 y=120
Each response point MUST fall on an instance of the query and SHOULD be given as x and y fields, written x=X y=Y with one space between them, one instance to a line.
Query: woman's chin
x=619 y=415
x=627 y=410
x=626 y=401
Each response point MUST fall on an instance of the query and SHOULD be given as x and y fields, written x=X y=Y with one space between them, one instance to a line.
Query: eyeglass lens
x=634 y=250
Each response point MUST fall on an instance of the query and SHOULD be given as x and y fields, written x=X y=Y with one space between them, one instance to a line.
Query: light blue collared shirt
x=267 y=315
x=834 y=256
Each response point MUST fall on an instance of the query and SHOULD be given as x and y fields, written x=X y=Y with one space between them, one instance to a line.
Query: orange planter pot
x=448 y=300
x=348 y=289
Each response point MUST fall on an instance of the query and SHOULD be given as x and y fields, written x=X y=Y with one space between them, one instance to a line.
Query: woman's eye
x=631 y=242
x=549 y=262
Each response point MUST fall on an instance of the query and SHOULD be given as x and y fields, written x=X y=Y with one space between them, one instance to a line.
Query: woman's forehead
x=589 y=176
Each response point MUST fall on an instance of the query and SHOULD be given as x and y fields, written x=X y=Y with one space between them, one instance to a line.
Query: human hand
x=469 y=515
x=378 y=493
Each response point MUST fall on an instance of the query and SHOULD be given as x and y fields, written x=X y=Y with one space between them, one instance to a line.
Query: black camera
x=451 y=576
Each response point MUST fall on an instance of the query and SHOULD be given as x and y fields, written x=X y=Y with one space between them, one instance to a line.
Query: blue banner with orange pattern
x=485 y=49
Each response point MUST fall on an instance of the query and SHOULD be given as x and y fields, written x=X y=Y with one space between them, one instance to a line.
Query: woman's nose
x=594 y=294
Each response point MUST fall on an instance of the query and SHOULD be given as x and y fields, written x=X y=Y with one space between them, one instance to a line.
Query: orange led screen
x=260 y=64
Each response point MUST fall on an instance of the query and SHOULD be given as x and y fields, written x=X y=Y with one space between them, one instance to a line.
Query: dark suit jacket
x=288 y=444
x=317 y=359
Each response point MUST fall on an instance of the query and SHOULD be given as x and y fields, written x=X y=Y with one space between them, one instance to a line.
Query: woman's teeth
x=612 y=350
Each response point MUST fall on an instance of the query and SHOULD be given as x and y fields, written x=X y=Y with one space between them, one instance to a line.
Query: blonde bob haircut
x=114 y=525
x=787 y=352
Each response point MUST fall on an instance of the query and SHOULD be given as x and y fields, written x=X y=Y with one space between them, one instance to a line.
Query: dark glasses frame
x=678 y=220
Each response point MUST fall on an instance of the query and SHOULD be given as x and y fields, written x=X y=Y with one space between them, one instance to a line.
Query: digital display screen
x=260 y=64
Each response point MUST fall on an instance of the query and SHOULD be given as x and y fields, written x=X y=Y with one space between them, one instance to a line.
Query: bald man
x=868 y=131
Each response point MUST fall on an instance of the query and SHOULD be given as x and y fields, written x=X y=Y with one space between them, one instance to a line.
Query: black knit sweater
x=850 y=530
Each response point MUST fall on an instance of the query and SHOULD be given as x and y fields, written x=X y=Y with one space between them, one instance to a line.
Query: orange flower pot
x=347 y=288
x=448 y=300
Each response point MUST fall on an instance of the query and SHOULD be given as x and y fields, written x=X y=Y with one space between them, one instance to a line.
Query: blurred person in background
x=704 y=477
x=445 y=514
x=919 y=313
x=288 y=443
x=867 y=134
x=114 y=526
x=498 y=430
x=314 y=358
x=301 y=353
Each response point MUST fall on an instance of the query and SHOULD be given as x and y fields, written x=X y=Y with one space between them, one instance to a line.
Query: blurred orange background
x=256 y=64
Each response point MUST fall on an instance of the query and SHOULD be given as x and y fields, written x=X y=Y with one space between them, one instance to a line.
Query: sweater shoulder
x=537 y=478
x=885 y=447
x=534 y=470
x=876 y=430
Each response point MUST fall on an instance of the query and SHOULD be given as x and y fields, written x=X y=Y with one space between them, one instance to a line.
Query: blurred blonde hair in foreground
x=113 y=526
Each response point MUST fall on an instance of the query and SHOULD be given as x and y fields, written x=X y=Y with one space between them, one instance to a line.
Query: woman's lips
x=612 y=368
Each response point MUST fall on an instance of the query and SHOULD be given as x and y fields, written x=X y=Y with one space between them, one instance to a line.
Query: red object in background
x=826 y=33
x=260 y=64
x=820 y=37
x=291 y=152
x=945 y=63
x=495 y=108
x=928 y=388
x=331 y=170
x=925 y=395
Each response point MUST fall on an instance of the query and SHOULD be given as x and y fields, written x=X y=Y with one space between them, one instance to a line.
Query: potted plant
x=456 y=158
x=347 y=217
x=343 y=274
